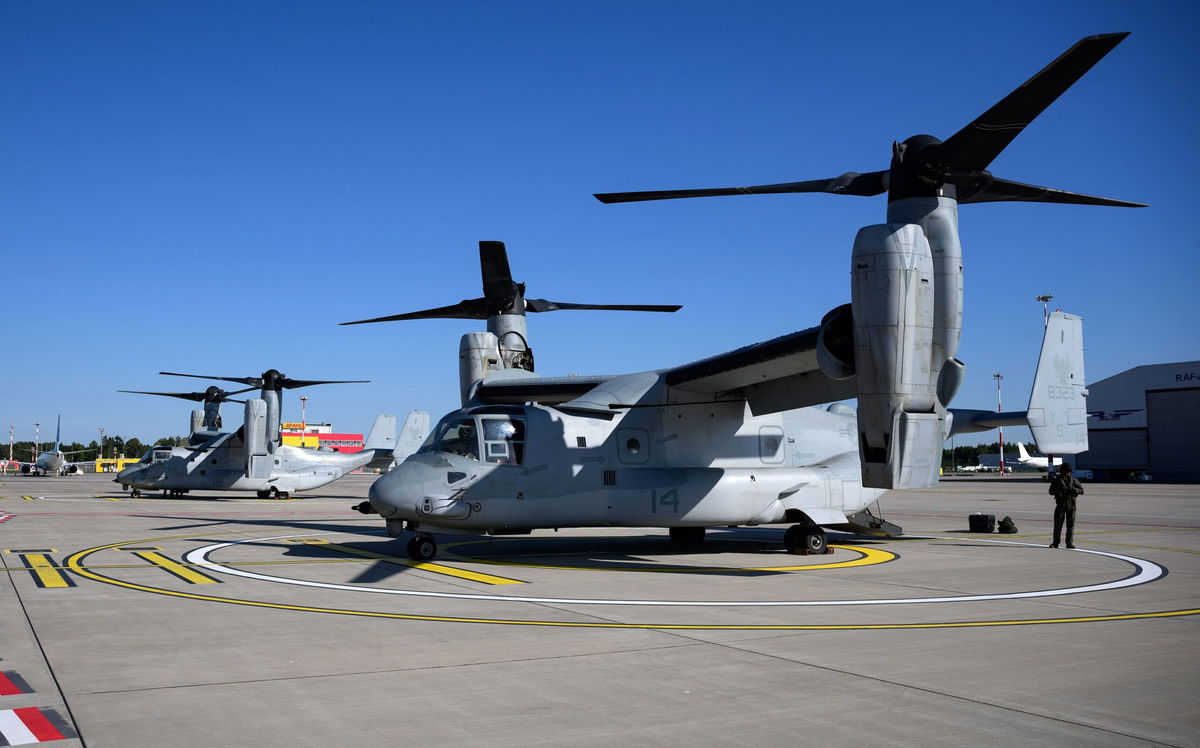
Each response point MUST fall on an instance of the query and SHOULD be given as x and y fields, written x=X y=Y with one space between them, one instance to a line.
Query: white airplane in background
x=1042 y=463
x=54 y=461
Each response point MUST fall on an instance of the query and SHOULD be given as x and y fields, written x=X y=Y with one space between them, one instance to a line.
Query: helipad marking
x=474 y=576
x=75 y=559
x=1146 y=571
x=45 y=573
x=172 y=567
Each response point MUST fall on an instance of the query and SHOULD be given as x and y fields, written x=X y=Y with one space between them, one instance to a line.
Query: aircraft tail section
x=1057 y=405
x=391 y=447
x=383 y=434
x=1057 y=413
x=57 y=434
x=1021 y=451
x=413 y=435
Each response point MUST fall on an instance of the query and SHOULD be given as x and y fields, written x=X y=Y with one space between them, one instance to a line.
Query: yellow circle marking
x=74 y=563
x=869 y=557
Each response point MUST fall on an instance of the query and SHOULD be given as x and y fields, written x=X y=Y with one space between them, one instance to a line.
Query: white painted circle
x=1146 y=571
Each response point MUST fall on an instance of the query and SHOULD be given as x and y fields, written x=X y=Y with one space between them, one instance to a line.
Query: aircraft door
x=834 y=494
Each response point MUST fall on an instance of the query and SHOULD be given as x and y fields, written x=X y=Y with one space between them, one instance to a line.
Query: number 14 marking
x=669 y=498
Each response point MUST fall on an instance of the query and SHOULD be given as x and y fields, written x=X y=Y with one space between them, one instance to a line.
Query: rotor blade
x=493 y=265
x=850 y=183
x=197 y=396
x=252 y=381
x=1001 y=190
x=976 y=145
x=291 y=384
x=465 y=309
x=541 y=305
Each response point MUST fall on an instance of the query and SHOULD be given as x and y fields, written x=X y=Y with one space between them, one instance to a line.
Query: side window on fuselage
x=503 y=440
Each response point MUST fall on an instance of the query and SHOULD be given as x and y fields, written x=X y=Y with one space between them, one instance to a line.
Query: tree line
x=114 y=446
x=967 y=455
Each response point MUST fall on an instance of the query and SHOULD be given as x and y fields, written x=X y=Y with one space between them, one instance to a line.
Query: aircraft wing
x=774 y=375
x=546 y=390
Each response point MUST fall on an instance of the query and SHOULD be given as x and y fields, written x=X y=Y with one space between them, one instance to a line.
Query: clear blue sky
x=211 y=187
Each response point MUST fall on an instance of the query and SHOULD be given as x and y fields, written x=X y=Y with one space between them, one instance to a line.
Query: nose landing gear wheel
x=805 y=540
x=422 y=548
x=136 y=493
x=263 y=494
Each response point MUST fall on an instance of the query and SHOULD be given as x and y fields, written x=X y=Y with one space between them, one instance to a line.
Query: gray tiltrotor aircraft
x=252 y=458
x=738 y=438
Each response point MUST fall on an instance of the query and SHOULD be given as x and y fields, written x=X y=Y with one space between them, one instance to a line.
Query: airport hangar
x=1146 y=420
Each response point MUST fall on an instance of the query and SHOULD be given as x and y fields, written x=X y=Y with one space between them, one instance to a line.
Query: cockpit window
x=455 y=435
x=161 y=455
x=503 y=440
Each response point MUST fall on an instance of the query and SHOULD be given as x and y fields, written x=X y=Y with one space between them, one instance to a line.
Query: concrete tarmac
x=222 y=619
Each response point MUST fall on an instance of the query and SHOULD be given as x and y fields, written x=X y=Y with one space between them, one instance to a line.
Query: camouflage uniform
x=1064 y=488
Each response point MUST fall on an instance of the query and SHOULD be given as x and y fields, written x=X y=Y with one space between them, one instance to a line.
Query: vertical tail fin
x=1057 y=406
x=412 y=436
x=1021 y=450
x=383 y=434
x=58 y=435
x=390 y=447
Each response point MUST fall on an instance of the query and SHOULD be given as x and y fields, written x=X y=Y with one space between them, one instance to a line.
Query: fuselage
x=50 y=463
x=512 y=468
x=220 y=464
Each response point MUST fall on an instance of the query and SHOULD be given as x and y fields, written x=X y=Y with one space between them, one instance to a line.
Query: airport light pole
x=1000 y=408
x=10 y=447
x=303 y=418
x=37 y=439
x=102 y=442
x=1045 y=299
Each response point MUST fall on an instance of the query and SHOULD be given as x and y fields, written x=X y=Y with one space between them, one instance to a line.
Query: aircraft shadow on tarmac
x=643 y=552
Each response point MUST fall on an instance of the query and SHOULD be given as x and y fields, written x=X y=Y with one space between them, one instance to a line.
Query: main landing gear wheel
x=805 y=540
x=136 y=493
x=263 y=494
x=422 y=548
x=687 y=535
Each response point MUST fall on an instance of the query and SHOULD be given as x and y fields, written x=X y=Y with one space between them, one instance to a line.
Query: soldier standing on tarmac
x=1064 y=488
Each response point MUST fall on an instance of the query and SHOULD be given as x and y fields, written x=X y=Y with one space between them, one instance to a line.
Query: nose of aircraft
x=395 y=494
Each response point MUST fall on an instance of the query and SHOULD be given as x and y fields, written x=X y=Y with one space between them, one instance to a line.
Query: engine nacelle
x=197 y=423
x=893 y=302
x=258 y=458
x=478 y=356
x=835 y=343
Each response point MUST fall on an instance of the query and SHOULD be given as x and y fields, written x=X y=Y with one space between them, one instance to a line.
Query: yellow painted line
x=473 y=576
x=176 y=568
x=43 y=569
x=28 y=498
x=869 y=557
x=108 y=498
